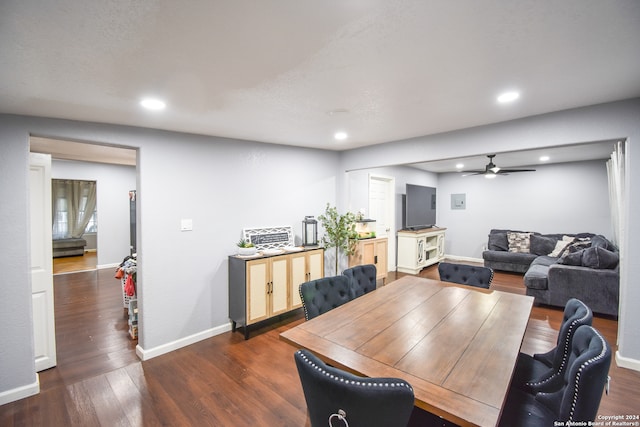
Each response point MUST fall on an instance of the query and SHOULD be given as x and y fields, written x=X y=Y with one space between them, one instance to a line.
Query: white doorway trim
x=385 y=227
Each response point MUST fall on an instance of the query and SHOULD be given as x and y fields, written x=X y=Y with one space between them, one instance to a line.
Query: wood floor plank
x=222 y=381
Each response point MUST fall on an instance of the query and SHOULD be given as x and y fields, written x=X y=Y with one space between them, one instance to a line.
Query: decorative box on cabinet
x=419 y=249
x=266 y=286
x=372 y=251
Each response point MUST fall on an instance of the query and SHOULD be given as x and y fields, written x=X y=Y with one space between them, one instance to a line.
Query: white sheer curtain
x=615 y=171
x=73 y=205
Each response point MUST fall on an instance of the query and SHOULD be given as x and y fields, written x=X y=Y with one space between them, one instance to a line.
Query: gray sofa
x=68 y=247
x=558 y=267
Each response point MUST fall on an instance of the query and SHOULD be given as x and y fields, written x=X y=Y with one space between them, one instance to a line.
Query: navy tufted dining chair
x=362 y=279
x=321 y=295
x=579 y=397
x=338 y=398
x=465 y=274
x=544 y=372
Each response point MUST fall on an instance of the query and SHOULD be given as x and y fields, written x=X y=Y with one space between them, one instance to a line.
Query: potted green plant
x=340 y=232
x=245 y=247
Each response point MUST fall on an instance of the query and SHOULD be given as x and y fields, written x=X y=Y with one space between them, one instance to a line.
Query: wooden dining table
x=456 y=345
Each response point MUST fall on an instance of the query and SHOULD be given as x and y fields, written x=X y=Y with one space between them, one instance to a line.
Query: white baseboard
x=626 y=362
x=146 y=354
x=20 y=392
x=103 y=266
x=463 y=258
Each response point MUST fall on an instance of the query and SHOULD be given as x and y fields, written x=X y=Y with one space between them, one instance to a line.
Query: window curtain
x=73 y=205
x=615 y=172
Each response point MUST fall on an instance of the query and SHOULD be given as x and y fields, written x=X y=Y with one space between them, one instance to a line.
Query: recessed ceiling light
x=340 y=136
x=459 y=165
x=508 y=97
x=153 y=104
x=544 y=158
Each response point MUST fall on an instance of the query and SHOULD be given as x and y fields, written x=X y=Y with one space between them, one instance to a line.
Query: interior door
x=44 y=330
x=382 y=208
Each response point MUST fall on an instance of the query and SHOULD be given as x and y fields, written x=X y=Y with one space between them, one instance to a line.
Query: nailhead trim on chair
x=579 y=374
x=565 y=353
x=304 y=306
x=363 y=383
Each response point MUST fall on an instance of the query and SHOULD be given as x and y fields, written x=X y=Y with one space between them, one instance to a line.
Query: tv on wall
x=420 y=207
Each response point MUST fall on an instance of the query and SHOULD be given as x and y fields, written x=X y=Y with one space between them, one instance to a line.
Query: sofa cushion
x=545 y=260
x=541 y=245
x=599 y=258
x=602 y=242
x=574 y=258
x=519 y=242
x=498 y=241
x=536 y=276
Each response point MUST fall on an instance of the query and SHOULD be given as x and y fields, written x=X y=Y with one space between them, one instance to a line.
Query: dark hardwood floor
x=221 y=381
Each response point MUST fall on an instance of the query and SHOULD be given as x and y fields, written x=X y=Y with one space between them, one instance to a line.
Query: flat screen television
x=420 y=207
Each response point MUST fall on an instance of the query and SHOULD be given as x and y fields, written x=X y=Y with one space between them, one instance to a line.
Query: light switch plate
x=186 y=225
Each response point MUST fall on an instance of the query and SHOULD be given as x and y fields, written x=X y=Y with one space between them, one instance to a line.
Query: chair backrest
x=321 y=295
x=333 y=393
x=362 y=279
x=576 y=314
x=464 y=274
x=584 y=380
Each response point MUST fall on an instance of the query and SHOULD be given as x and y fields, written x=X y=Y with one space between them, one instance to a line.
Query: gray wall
x=113 y=184
x=616 y=120
x=224 y=185
x=562 y=198
x=557 y=198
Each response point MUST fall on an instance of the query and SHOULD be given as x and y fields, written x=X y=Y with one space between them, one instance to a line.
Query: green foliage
x=244 y=243
x=340 y=231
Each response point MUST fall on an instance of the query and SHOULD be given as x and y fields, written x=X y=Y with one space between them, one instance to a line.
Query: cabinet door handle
x=375 y=259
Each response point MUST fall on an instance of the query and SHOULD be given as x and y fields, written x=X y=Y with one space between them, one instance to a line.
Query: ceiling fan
x=491 y=170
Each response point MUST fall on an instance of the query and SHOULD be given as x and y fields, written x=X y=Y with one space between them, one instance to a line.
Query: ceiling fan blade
x=515 y=170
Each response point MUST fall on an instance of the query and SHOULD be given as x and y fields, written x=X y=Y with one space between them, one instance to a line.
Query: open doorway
x=91 y=330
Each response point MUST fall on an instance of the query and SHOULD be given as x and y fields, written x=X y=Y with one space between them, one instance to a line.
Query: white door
x=382 y=209
x=44 y=330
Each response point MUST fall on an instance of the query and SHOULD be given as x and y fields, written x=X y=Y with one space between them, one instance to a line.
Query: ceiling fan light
x=495 y=169
x=490 y=175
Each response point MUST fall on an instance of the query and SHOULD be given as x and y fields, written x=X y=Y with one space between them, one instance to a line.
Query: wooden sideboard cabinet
x=372 y=251
x=266 y=286
x=419 y=249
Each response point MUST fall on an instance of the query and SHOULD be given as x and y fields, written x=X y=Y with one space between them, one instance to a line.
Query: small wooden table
x=456 y=345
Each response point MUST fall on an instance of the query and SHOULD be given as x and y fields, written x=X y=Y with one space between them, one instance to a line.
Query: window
x=74 y=208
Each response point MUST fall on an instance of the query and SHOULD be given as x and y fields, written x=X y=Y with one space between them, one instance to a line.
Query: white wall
x=558 y=198
x=113 y=184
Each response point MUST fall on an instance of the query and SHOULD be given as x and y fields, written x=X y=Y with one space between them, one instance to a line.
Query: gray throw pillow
x=574 y=258
x=498 y=242
x=602 y=242
x=600 y=258
x=540 y=245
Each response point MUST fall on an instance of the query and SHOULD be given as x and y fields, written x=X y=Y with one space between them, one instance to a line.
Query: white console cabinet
x=419 y=249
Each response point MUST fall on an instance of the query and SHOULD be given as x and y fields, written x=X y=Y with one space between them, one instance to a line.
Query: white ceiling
x=275 y=71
